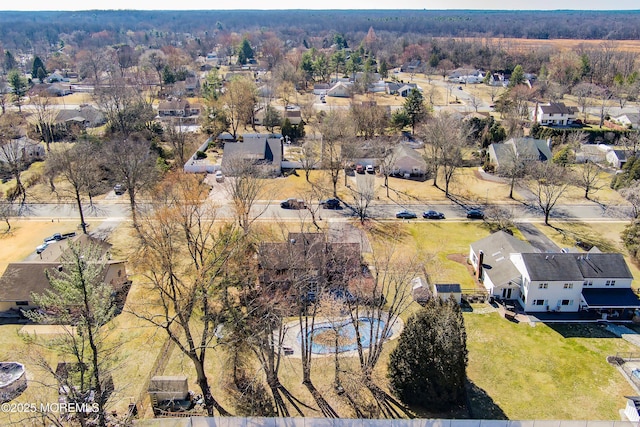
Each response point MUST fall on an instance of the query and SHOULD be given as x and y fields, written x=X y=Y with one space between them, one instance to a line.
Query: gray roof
x=527 y=149
x=261 y=149
x=558 y=108
x=448 y=288
x=497 y=248
x=83 y=113
x=573 y=266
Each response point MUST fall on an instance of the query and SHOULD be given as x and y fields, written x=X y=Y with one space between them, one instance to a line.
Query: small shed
x=168 y=388
x=632 y=408
x=446 y=290
x=421 y=291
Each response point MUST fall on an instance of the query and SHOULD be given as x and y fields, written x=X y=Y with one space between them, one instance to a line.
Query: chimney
x=479 y=266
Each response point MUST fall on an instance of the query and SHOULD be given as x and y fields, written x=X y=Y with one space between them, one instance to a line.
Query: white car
x=369 y=169
x=219 y=176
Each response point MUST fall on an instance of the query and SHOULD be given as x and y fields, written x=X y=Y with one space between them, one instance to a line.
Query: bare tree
x=309 y=157
x=77 y=164
x=134 y=165
x=336 y=131
x=239 y=100
x=589 y=179
x=548 y=183
x=475 y=101
x=388 y=157
x=632 y=195
x=363 y=195
x=185 y=255
x=584 y=93
x=7 y=210
x=181 y=141
x=245 y=186
x=44 y=115
x=445 y=137
x=14 y=155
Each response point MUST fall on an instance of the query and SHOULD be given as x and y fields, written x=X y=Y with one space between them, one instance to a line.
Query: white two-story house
x=556 y=282
x=555 y=114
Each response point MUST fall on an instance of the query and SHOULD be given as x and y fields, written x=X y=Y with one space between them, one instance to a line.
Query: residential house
x=55 y=77
x=557 y=282
x=466 y=75
x=629 y=120
x=402 y=89
x=85 y=115
x=490 y=258
x=307 y=263
x=555 y=114
x=525 y=150
x=23 y=149
x=263 y=150
x=22 y=279
x=413 y=66
x=321 y=89
x=178 y=108
x=617 y=158
x=59 y=89
x=407 y=162
x=340 y=90
x=590 y=153
x=292 y=112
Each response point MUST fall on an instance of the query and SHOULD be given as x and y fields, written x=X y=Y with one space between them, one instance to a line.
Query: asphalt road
x=117 y=210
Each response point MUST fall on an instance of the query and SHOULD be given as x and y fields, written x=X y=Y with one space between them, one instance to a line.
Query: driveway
x=537 y=239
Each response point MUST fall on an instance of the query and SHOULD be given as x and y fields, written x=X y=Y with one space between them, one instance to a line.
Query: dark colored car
x=406 y=215
x=119 y=189
x=475 y=214
x=330 y=204
x=432 y=215
x=293 y=204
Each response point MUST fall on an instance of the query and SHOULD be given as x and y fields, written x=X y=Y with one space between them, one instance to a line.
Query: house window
x=587 y=283
x=568 y=285
x=539 y=302
x=567 y=302
x=543 y=286
x=613 y=283
x=22 y=302
x=607 y=283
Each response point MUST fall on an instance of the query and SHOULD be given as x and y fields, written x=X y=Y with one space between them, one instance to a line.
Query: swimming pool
x=324 y=335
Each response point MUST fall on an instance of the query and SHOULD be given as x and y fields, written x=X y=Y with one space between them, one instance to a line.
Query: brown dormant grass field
x=519 y=45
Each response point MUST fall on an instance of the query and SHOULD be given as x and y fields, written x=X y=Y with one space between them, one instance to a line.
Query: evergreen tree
x=36 y=67
x=517 y=76
x=415 y=108
x=19 y=87
x=428 y=367
x=272 y=118
x=245 y=52
x=287 y=129
x=9 y=61
x=384 y=69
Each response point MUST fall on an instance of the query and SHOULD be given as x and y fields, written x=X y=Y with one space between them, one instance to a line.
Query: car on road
x=119 y=189
x=475 y=214
x=359 y=168
x=331 y=204
x=219 y=176
x=293 y=204
x=369 y=169
x=405 y=214
x=432 y=215
x=41 y=248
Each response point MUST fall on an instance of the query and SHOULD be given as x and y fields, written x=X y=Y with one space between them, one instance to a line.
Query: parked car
x=432 y=215
x=219 y=176
x=55 y=238
x=369 y=169
x=119 y=189
x=359 y=168
x=475 y=214
x=405 y=214
x=41 y=248
x=330 y=204
x=293 y=204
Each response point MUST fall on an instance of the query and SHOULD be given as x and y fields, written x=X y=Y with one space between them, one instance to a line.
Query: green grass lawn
x=545 y=372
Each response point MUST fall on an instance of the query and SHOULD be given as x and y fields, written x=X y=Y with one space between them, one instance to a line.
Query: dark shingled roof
x=610 y=298
x=448 y=288
x=575 y=266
